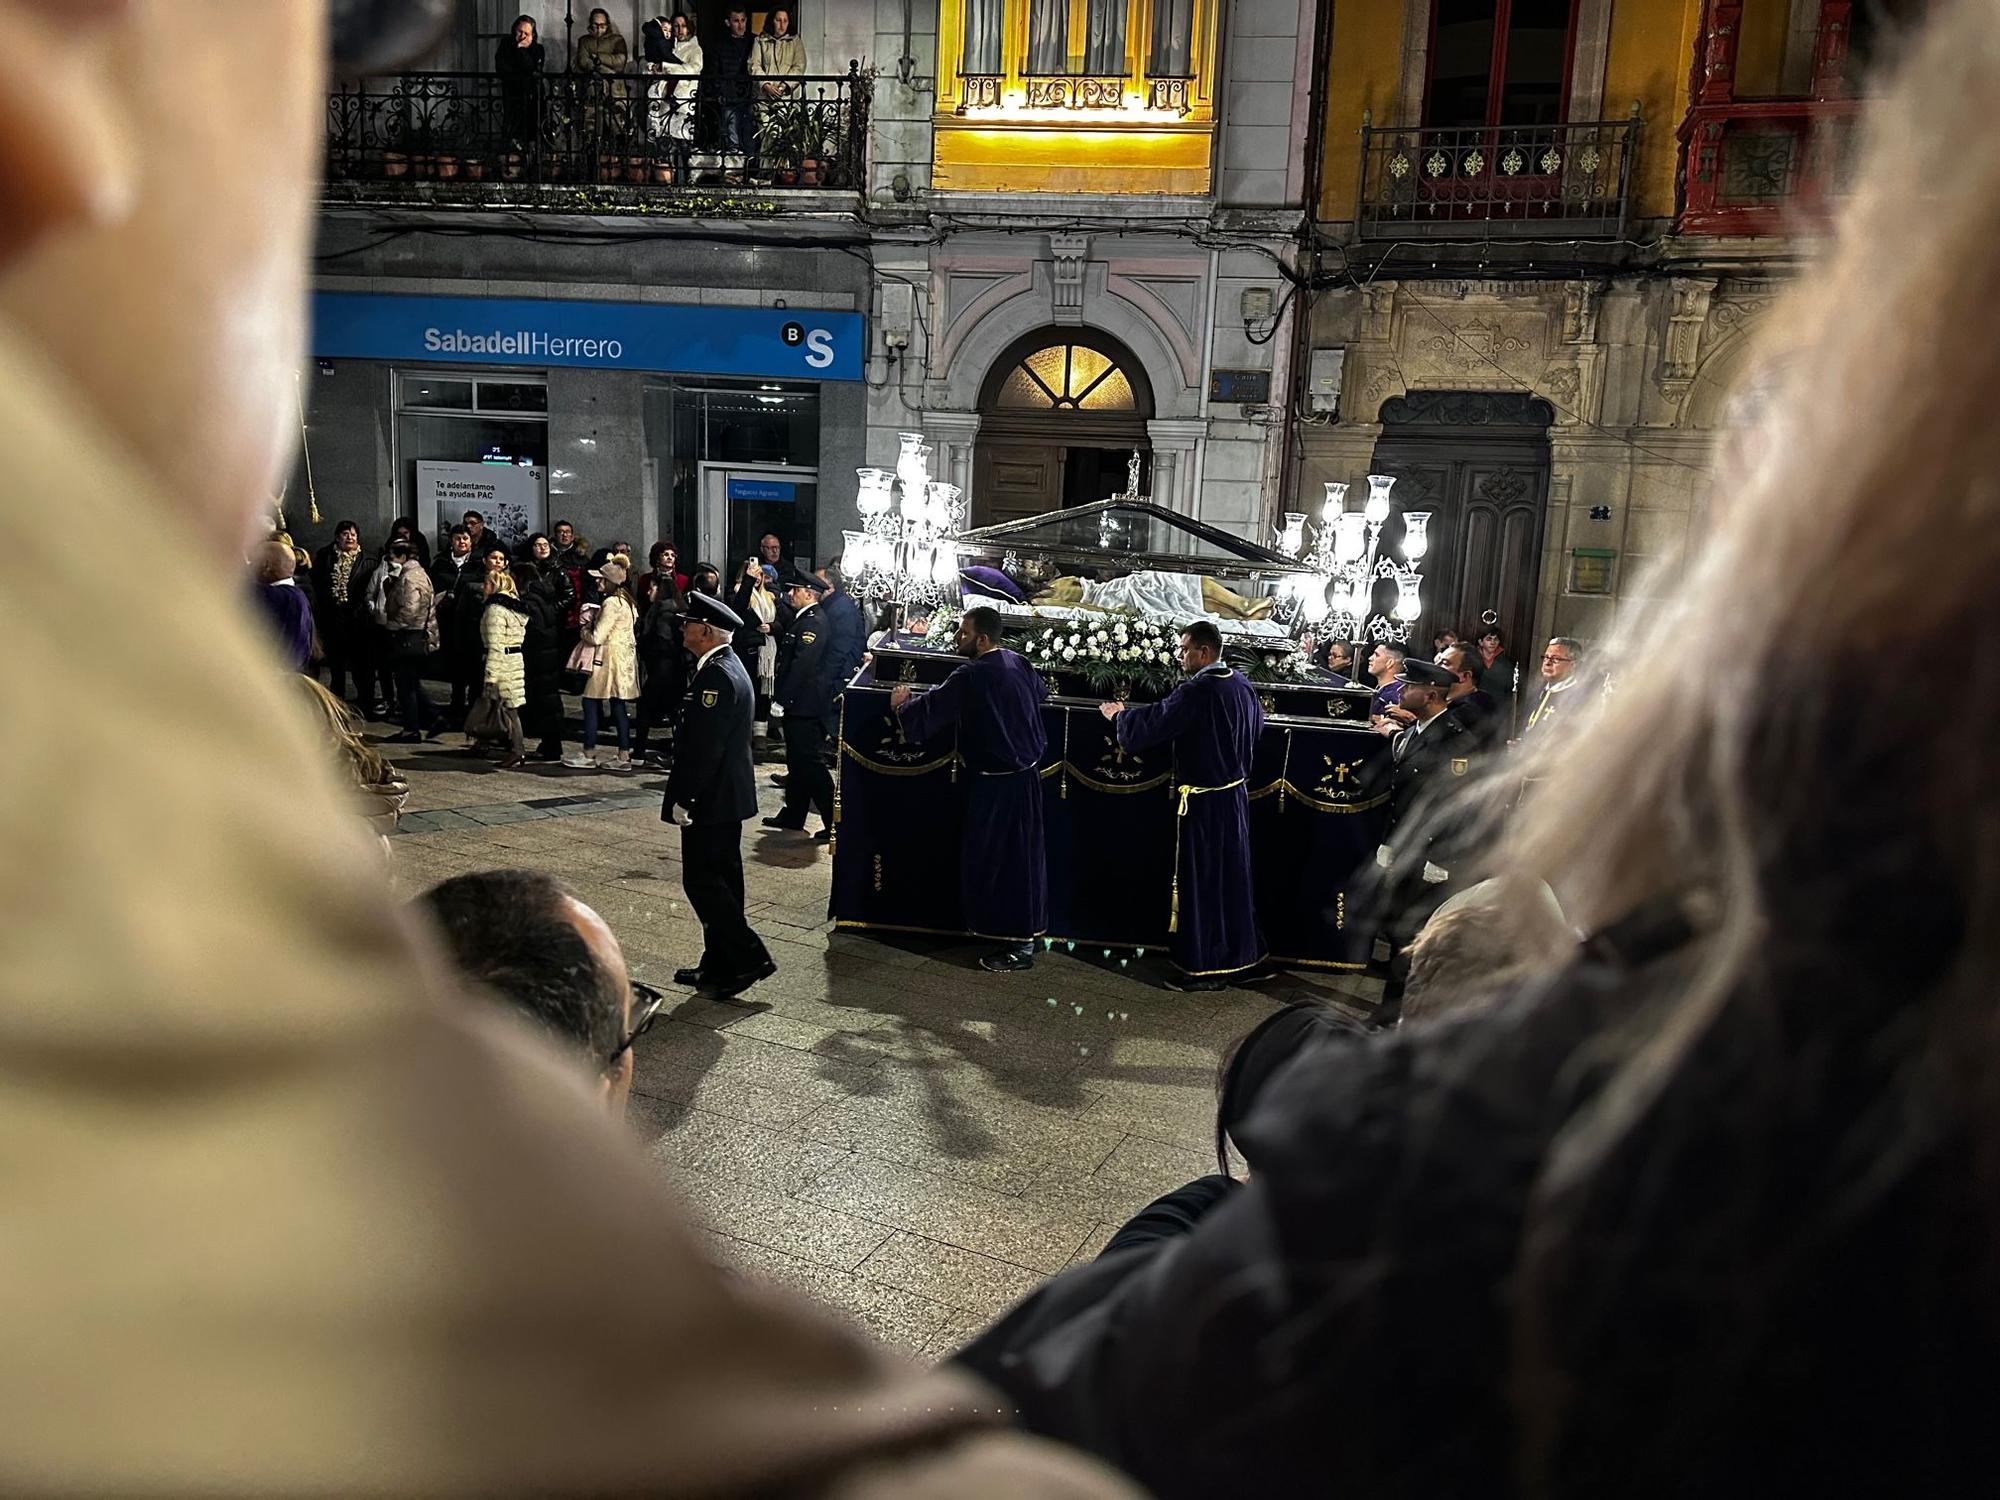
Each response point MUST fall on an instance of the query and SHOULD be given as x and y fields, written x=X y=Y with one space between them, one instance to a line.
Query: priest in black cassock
x=995 y=700
x=1213 y=719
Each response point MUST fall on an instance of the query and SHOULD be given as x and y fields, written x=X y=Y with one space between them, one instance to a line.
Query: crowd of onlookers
x=738 y=97
x=511 y=631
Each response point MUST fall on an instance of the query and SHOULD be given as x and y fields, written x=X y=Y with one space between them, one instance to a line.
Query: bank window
x=697 y=430
x=1499 y=62
x=449 y=417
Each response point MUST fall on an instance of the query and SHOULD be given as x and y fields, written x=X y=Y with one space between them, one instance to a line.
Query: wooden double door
x=1030 y=466
x=1479 y=462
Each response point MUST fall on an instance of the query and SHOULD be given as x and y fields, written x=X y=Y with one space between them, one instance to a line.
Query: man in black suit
x=1474 y=708
x=1431 y=753
x=807 y=665
x=712 y=778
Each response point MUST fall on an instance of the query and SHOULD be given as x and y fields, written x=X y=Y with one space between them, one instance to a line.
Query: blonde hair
x=1785 y=801
x=343 y=735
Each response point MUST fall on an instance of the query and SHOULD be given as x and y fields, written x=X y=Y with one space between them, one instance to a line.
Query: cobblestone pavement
x=911 y=1141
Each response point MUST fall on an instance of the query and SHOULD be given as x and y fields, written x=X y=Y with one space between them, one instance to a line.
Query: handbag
x=489 y=718
x=582 y=663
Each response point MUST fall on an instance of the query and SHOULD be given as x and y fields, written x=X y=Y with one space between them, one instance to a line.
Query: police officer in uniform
x=806 y=685
x=713 y=779
x=1431 y=753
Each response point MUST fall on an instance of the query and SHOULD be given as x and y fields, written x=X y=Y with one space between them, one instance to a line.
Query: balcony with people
x=627 y=124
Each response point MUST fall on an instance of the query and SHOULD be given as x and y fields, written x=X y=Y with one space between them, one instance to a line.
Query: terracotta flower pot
x=447 y=169
x=395 y=164
x=475 y=170
x=663 y=174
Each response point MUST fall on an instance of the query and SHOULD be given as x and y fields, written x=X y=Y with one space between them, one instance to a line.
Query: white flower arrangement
x=1125 y=650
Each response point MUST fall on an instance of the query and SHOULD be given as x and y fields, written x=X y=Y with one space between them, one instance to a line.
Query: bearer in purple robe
x=1213 y=719
x=995 y=699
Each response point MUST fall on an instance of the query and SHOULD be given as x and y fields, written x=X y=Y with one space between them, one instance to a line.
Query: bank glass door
x=742 y=502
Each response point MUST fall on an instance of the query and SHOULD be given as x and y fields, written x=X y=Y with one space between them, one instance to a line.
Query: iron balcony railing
x=643 y=131
x=1480 y=181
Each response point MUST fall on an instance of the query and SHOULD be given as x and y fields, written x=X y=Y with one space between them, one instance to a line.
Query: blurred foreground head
x=1836 y=851
x=155 y=219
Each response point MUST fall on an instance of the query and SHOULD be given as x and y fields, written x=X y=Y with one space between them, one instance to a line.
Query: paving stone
x=945 y=1273
x=952 y=1213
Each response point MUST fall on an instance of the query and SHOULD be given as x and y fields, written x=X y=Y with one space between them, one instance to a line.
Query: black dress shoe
x=783 y=822
x=1189 y=985
x=824 y=836
x=689 y=977
x=780 y=779
x=737 y=983
x=407 y=737
x=1006 y=961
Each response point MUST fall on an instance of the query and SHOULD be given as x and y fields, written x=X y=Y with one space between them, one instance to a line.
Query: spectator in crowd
x=448 y=568
x=705 y=580
x=572 y=551
x=503 y=633
x=600 y=57
x=537 y=549
x=662 y=657
x=1481 y=942
x=673 y=57
x=483 y=540
x=614 y=683
x=776 y=58
x=1496 y=670
x=276 y=1196
x=1442 y=641
x=1478 y=715
x=413 y=638
x=1385 y=664
x=341 y=574
x=520 y=61
x=519 y=936
x=756 y=602
x=1559 y=699
x=727 y=83
x=279 y=595
x=469 y=596
x=601 y=51
x=662 y=572
x=843 y=619
x=405 y=528
x=545 y=591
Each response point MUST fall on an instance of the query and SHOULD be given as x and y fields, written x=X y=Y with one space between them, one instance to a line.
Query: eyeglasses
x=1556 y=658
x=646 y=1003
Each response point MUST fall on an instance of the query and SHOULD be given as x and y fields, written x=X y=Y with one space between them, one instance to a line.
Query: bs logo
x=818 y=342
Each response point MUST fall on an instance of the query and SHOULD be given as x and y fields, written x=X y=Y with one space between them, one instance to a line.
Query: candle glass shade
x=913 y=468
x=1293 y=537
x=1377 y=508
x=1350 y=536
x=875 y=495
x=1336 y=502
x=1416 y=535
x=1409 y=596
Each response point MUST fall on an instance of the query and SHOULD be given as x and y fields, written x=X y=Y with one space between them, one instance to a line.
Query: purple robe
x=291 y=612
x=995 y=701
x=1213 y=719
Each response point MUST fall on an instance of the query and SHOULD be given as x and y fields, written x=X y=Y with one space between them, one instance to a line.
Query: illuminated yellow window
x=1029 y=89
x=1067 y=377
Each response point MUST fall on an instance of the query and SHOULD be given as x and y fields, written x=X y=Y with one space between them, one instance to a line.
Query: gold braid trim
x=949 y=762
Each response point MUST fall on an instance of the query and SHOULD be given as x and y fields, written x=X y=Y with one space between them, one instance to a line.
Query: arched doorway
x=1059 y=416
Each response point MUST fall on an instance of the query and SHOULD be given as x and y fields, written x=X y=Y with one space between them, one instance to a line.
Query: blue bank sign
x=777 y=343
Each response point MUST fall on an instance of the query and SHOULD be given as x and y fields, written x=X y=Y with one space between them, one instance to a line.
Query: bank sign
x=776 y=343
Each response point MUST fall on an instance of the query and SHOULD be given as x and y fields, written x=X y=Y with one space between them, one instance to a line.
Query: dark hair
x=340 y=526
x=1255 y=1057
x=598 y=10
x=1460 y=660
x=525 y=570
x=560 y=524
x=984 y=620
x=1401 y=653
x=702 y=569
x=402 y=546
x=508 y=931
x=473 y=515
x=1493 y=630
x=461 y=530
x=1203 y=633
x=654 y=554
x=403 y=523
x=533 y=25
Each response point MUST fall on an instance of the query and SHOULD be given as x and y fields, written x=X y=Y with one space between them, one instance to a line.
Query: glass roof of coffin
x=1127 y=533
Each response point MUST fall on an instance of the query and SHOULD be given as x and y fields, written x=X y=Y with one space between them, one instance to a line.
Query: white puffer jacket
x=503 y=624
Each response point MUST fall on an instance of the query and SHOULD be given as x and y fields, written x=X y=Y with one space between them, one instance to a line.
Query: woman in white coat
x=614 y=684
x=673 y=59
x=503 y=626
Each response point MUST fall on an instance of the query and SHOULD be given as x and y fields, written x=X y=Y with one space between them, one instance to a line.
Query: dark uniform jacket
x=850 y=636
x=807 y=667
x=1479 y=715
x=1432 y=763
x=712 y=775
